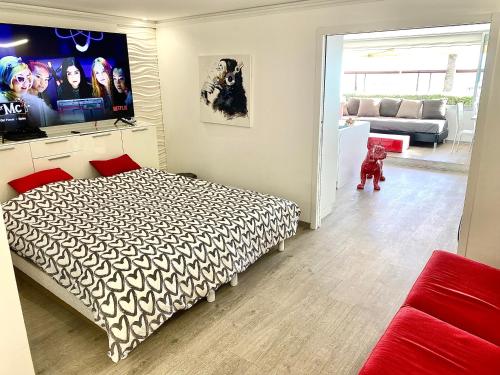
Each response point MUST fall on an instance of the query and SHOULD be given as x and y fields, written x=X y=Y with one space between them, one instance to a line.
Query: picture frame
x=226 y=89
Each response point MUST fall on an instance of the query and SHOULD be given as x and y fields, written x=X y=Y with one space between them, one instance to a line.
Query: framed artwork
x=225 y=89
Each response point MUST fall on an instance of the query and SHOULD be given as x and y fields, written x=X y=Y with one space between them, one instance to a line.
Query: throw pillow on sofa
x=353 y=106
x=369 y=108
x=434 y=109
x=409 y=109
x=389 y=107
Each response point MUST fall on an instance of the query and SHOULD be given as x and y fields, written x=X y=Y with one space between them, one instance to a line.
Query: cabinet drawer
x=16 y=162
x=141 y=144
x=104 y=145
x=56 y=146
x=73 y=163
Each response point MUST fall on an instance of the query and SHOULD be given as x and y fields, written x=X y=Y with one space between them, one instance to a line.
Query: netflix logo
x=118 y=108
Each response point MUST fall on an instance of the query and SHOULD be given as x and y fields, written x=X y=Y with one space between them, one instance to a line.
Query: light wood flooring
x=442 y=153
x=317 y=308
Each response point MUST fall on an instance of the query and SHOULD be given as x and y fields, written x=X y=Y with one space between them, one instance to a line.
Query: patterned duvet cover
x=139 y=246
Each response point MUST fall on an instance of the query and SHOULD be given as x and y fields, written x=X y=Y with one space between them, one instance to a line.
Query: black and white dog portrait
x=224 y=89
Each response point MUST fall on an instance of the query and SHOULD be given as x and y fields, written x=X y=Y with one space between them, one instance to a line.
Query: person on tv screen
x=74 y=84
x=16 y=80
x=123 y=95
x=101 y=82
x=41 y=78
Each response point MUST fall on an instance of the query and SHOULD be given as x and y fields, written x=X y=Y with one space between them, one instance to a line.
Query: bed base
x=234 y=280
x=36 y=274
x=281 y=246
x=211 y=296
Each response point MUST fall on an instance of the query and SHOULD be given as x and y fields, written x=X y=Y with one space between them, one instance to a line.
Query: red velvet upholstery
x=461 y=292
x=449 y=324
x=416 y=343
x=114 y=166
x=37 y=179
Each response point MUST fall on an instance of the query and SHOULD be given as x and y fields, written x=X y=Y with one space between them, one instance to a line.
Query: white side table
x=352 y=150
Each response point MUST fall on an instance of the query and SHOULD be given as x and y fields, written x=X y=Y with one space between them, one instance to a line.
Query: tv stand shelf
x=73 y=152
x=53 y=132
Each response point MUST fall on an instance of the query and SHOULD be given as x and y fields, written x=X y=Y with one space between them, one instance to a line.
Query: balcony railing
x=422 y=81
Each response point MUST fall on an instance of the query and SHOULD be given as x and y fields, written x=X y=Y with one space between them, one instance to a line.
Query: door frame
x=422 y=21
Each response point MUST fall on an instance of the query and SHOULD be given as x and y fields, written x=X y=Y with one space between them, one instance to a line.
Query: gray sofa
x=430 y=126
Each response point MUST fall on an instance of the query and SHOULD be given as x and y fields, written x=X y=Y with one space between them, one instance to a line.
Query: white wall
x=273 y=156
x=15 y=356
x=144 y=71
x=330 y=128
x=480 y=234
x=276 y=155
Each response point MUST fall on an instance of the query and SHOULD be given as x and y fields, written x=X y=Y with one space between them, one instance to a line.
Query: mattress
x=137 y=247
x=405 y=124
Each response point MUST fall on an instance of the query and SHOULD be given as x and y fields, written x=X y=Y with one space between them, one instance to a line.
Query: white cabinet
x=73 y=162
x=352 y=151
x=141 y=145
x=15 y=162
x=99 y=146
x=73 y=153
x=56 y=146
x=60 y=152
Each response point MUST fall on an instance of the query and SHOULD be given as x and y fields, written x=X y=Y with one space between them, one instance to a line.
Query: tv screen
x=52 y=76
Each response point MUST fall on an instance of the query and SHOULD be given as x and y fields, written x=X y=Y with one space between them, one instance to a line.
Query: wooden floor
x=317 y=308
x=442 y=153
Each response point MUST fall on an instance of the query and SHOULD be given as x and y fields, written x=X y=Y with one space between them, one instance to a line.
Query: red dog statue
x=373 y=166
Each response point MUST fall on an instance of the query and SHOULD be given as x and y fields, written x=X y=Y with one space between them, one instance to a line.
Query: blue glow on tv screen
x=52 y=76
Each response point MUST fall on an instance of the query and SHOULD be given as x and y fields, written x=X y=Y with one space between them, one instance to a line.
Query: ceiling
x=155 y=10
x=462 y=35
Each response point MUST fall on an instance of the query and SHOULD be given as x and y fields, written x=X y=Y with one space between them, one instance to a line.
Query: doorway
x=330 y=175
x=440 y=66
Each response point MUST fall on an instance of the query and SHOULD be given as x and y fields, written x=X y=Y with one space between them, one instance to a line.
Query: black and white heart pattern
x=139 y=246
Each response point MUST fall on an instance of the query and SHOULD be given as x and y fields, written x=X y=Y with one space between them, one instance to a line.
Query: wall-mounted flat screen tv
x=52 y=76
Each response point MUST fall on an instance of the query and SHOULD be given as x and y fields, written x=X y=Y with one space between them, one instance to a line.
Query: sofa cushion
x=353 y=106
x=407 y=125
x=461 y=292
x=389 y=107
x=369 y=107
x=434 y=109
x=409 y=108
x=416 y=343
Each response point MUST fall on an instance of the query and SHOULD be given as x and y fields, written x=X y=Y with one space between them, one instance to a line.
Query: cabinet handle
x=59 y=157
x=101 y=135
x=8 y=148
x=139 y=130
x=56 y=141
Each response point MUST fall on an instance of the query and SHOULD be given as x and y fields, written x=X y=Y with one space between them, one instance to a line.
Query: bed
x=132 y=249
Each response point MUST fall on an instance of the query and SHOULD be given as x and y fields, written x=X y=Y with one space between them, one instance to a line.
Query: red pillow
x=114 y=166
x=37 y=179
